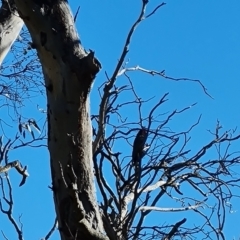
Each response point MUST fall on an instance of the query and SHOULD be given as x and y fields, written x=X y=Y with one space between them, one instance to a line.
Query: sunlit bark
x=10 y=27
x=69 y=72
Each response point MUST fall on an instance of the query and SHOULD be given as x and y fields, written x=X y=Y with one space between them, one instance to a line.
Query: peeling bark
x=69 y=73
x=10 y=27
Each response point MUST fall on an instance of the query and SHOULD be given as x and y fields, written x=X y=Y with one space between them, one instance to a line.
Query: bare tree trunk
x=69 y=72
x=10 y=27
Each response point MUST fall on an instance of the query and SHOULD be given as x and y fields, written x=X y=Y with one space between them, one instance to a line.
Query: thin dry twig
x=51 y=230
x=75 y=17
x=163 y=74
x=111 y=81
x=10 y=203
x=174 y=230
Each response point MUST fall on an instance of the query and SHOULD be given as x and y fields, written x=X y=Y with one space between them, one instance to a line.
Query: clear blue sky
x=194 y=39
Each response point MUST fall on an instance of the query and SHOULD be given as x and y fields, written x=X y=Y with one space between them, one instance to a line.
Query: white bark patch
x=9 y=31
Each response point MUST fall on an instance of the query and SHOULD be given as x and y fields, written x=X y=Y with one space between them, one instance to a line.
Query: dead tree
x=163 y=166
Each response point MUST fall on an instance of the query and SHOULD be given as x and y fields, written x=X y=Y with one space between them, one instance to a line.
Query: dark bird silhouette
x=139 y=147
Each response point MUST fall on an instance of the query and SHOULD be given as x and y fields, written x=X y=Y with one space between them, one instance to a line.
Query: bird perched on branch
x=139 y=147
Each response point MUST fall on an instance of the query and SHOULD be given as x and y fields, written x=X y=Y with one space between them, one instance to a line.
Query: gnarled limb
x=17 y=165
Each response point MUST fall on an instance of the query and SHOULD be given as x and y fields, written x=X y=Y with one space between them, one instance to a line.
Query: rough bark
x=69 y=72
x=10 y=27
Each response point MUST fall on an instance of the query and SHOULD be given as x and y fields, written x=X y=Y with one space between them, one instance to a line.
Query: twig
x=174 y=229
x=51 y=230
x=110 y=83
x=75 y=17
x=163 y=74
